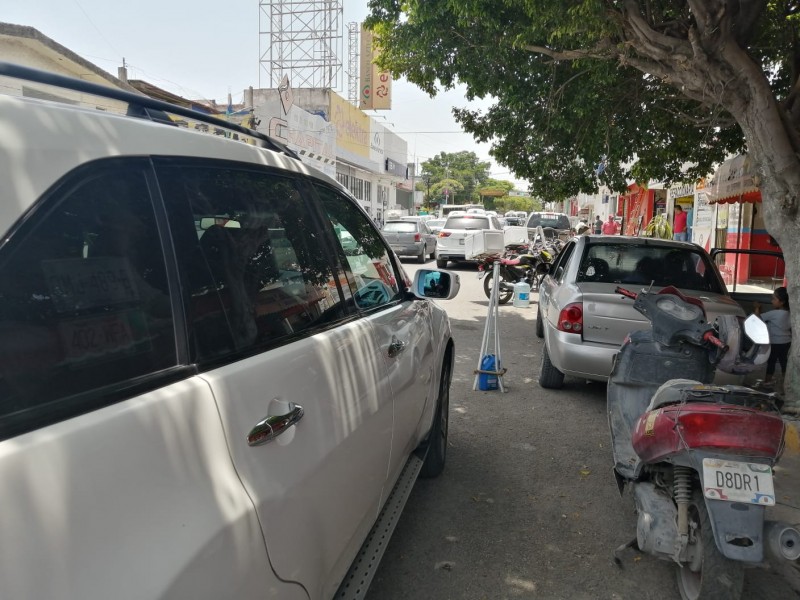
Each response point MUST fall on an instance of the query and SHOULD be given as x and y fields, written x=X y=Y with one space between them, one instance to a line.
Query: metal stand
x=491 y=334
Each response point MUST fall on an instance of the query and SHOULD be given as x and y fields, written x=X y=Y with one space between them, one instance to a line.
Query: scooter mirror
x=756 y=330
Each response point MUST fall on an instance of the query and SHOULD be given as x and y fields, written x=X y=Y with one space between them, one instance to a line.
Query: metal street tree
x=657 y=89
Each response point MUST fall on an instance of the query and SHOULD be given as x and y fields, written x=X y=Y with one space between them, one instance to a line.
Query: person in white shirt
x=780 y=332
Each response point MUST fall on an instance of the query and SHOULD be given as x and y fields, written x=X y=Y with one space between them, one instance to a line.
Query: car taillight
x=417 y=237
x=570 y=319
x=444 y=234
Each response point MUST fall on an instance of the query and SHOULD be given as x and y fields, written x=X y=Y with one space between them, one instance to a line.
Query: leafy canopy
x=591 y=92
x=461 y=173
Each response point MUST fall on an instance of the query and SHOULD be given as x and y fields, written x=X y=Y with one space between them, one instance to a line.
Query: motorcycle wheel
x=708 y=575
x=504 y=296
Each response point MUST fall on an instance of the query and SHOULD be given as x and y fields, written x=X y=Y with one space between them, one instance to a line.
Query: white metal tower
x=301 y=39
x=352 y=63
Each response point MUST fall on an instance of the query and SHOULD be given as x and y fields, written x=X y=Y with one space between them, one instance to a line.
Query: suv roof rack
x=139 y=105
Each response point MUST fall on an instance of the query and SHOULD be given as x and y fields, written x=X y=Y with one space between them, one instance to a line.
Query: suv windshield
x=556 y=221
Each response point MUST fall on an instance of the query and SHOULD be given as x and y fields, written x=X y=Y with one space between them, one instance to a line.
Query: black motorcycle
x=517 y=264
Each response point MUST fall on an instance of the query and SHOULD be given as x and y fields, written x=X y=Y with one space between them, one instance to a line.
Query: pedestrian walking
x=679 y=224
x=598 y=225
x=780 y=333
x=610 y=226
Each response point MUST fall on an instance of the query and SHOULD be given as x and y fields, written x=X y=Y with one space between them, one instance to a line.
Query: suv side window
x=371 y=276
x=255 y=273
x=84 y=301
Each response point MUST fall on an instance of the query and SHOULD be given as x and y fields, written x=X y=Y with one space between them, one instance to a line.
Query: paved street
x=527 y=506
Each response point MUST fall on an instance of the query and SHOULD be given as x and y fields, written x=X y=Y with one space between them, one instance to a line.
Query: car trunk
x=400 y=233
x=608 y=318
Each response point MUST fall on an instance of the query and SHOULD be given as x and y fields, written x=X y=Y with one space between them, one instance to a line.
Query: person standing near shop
x=598 y=225
x=780 y=333
x=679 y=224
x=610 y=226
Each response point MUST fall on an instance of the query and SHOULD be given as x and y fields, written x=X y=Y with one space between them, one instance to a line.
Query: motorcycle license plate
x=736 y=481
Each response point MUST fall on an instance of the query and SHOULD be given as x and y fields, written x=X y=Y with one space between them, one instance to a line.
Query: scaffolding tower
x=352 y=63
x=303 y=40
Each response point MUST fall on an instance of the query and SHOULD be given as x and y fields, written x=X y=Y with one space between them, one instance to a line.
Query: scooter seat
x=676 y=391
x=671 y=392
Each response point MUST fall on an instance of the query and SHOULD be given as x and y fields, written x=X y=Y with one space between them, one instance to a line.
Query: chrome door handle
x=274 y=425
x=396 y=347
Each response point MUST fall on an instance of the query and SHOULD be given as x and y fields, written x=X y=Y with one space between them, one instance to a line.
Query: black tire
x=505 y=296
x=422 y=254
x=549 y=377
x=539 y=323
x=436 y=443
x=709 y=576
x=441 y=263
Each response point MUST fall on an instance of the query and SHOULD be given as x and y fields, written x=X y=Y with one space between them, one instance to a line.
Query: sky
x=200 y=49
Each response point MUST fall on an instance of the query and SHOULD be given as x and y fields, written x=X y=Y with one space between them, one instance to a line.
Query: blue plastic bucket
x=487 y=381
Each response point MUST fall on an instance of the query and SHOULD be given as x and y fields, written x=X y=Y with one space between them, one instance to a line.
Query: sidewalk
x=787 y=495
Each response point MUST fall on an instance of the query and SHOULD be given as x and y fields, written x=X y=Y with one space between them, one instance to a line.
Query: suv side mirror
x=433 y=283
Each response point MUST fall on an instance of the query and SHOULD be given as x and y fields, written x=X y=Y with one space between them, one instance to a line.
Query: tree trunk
x=778 y=164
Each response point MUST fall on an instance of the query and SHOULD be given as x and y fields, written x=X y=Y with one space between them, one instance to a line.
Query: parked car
x=213 y=370
x=451 y=238
x=435 y=225
x=583 y=320
x=552 y=220
x=410 y=237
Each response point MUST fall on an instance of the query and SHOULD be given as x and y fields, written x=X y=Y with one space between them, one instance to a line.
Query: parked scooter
x=698 y=457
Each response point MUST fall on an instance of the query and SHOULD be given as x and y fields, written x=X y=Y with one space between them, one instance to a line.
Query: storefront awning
x=735 y=181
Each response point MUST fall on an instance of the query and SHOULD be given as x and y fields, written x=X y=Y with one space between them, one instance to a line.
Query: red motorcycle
x=697 y=456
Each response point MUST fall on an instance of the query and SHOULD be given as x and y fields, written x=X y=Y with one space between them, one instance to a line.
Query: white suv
x=203 y=393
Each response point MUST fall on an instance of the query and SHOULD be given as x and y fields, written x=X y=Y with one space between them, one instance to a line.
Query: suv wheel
x=437 y=439
x=441 y=263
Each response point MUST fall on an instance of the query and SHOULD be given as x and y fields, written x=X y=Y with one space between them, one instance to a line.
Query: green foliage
x=526 y=203
x=571 y=112
x=462 y=168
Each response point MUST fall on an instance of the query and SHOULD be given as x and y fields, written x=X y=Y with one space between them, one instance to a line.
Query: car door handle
x=274 y=425
x=396 y=347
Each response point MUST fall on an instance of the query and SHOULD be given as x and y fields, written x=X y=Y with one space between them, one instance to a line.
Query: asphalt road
x=527 y=506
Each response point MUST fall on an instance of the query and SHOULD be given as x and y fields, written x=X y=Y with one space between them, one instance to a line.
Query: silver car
x=583 y=320
x=410 y=238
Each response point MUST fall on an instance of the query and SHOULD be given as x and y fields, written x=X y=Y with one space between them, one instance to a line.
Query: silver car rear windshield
x=401 y=227
x=467 y=222
x=645 y=264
